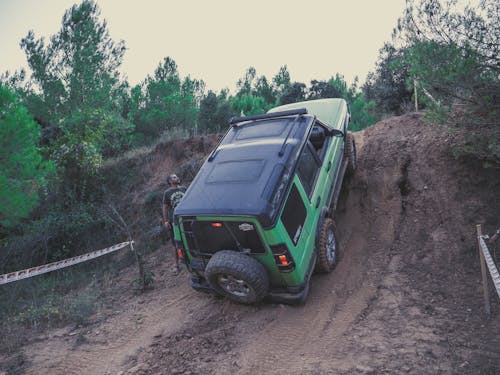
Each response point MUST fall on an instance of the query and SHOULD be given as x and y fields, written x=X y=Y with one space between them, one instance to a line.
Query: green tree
x=22 y=172
x=281 y=81
x=165 y=102
x=265 y=90
x=255 y=94
x=215 y=112
x=453 y=53
x=157 y=98
x=188 y=107
x=390 y=85
x=79 y=67
x=295 y=92
x=324 y=89
x=248 y=104
x=77 y=93
x=246 y=84
x=362 y=112
x=362 y=109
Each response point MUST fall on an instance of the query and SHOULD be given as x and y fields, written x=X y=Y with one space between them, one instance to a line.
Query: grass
x=53 y=300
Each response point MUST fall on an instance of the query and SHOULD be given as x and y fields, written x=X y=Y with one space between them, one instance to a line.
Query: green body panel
x=302 y=252
x=330 y=112
x=275 y=236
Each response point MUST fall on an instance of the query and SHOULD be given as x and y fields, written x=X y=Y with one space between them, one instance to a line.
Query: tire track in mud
x=380 y=311
x=121 y=337
x=311 y=337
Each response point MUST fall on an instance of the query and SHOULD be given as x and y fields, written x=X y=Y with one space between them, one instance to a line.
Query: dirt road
x=405 y=297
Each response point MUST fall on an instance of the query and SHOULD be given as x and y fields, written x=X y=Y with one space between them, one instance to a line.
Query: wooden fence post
x=415 y=94
x=483 y=271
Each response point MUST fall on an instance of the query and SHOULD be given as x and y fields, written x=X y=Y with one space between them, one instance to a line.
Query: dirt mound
x=405 y=297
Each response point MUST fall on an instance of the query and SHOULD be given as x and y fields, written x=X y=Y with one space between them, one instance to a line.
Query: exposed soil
x=406 y=296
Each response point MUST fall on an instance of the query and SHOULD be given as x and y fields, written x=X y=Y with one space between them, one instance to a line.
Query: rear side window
x=307 y=168
x=294 y=214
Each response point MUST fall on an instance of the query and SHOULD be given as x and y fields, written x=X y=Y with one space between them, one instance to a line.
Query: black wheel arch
x=325 y=213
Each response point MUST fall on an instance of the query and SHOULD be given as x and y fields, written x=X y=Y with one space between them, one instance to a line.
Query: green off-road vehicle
x=257 y=219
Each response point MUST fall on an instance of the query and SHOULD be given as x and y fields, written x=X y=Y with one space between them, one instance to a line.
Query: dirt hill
x=405 y=298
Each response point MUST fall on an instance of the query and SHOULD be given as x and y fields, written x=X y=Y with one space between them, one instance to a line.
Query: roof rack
x=235 y=120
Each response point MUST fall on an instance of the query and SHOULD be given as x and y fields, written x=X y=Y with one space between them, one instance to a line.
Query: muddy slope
x=405 y=297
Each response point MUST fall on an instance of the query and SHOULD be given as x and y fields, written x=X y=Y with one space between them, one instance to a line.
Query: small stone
x=135 y=369
x=364 y=368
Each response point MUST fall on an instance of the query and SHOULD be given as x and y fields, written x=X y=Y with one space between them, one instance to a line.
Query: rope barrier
x=495 y=276
x=34 y=271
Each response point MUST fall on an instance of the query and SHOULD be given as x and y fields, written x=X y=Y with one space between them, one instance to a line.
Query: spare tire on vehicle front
x=237 y=276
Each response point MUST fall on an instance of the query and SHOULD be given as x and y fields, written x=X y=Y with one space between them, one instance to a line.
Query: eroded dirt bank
x=405 y=297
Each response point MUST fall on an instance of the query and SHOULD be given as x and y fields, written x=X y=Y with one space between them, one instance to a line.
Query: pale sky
x=217 y=40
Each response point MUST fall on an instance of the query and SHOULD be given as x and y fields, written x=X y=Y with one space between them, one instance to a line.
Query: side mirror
x=335 y=133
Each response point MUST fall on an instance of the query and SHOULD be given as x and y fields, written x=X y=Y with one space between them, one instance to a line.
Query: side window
x=294 y=214
x=319 y=139
x=308 y=167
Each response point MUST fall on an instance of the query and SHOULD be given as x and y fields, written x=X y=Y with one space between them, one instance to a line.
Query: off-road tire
x=327 y=256
x=237 y=276
x=350 y=154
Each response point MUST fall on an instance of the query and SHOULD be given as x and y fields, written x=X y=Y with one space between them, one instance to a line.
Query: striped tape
x=34 y=271
x=491 y=265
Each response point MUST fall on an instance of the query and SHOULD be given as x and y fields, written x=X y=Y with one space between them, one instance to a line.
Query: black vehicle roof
x=248 y=173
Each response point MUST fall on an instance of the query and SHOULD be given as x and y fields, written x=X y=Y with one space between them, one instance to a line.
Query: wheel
x=328 y=250
x=237 y=276
x=350 y=154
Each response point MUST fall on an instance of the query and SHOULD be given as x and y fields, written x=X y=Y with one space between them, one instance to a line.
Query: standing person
x=495 y=236
x=171 y=199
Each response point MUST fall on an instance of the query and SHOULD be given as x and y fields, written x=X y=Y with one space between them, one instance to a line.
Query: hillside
x=405 y=298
